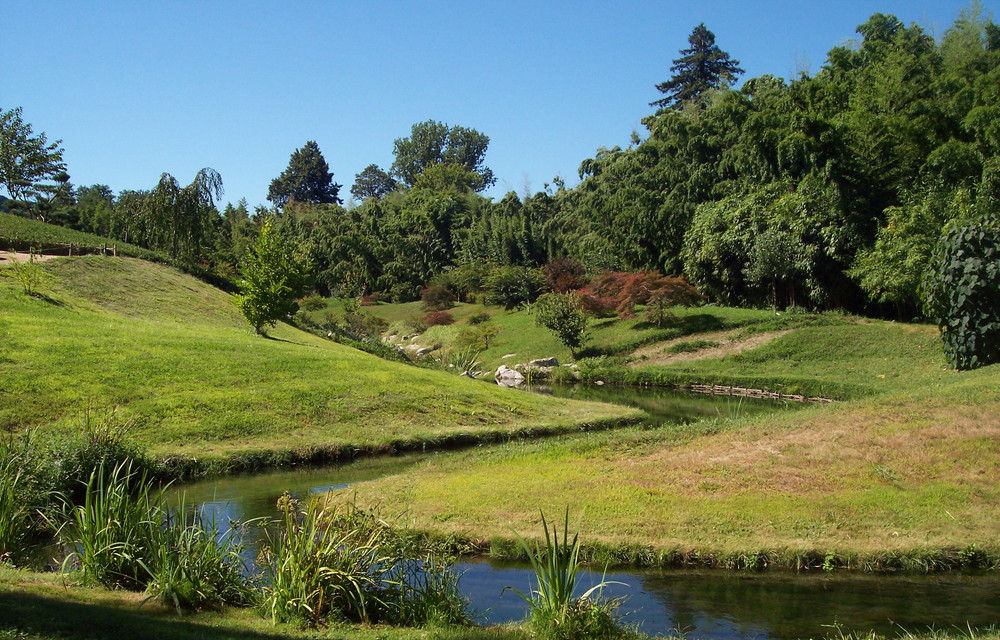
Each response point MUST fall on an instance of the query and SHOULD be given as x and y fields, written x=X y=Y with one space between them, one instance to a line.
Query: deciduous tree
x=372 y=182
x=432 y=143
x=27 y=160
x=272 y=278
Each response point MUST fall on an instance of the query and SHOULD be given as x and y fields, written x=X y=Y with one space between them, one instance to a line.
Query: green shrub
x=312 y=303
x=476 y=337
x=563 y=315
x=437 y=298
x=962 y=294
x=479 y=318
x=512 y=287
x=28 y=274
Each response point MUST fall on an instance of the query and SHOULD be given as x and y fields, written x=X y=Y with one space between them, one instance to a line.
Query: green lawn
x=904 y=475
x=19 y=231
x=175 y=355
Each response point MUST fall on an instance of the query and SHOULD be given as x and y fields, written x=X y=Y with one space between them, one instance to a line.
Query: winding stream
x=702 y=604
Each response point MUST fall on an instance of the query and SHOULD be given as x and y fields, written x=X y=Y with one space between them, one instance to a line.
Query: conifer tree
x=307 y=179
x=701 y=68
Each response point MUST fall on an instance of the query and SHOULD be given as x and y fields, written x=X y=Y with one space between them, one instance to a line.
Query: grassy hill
x=173 y=353
x=901 y=474
x=520 y=336
x=24 y=233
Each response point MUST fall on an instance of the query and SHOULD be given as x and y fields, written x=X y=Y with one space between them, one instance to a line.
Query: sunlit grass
x=175 y=356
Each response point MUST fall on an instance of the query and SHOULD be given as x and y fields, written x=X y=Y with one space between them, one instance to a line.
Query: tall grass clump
x=554 y=611
x=15 y=511
x=123 y=536
x=194 y=568
x=323 y=563
x=311 y=569
x=114 y=532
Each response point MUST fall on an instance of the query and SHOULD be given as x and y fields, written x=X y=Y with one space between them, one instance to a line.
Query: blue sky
x=135 y=89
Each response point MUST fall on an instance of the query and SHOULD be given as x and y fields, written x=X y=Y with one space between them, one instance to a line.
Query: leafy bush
x=479 y=318
x=435 y=318
x=562 y=314
x=465 y=279
x=437 y=298
x=512 y=287
x=312 y=303
x=477 y=337
x=962 y=294
x=28 y=274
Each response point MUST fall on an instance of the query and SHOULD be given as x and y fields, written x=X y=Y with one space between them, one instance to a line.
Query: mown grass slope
x=25 y=233
x=176 y=356
x=908 y=468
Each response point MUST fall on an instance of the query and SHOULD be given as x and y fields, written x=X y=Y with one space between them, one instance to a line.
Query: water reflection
x=705 y=604
x=666 y=405
x=727 y=605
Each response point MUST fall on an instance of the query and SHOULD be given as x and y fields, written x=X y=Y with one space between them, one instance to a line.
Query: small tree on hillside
x=563 y=315
x=658 y=293
x=272 y=279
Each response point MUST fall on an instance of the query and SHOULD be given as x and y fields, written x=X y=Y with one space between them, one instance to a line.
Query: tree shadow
x=48 y=299
x=31 y=614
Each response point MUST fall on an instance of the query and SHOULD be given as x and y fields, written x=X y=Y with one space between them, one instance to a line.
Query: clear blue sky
x=135 y=89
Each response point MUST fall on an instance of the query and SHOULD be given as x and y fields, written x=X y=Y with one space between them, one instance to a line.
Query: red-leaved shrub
x=435 y=318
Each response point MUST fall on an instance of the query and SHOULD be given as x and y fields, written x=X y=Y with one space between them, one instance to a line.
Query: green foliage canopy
x=272 y=277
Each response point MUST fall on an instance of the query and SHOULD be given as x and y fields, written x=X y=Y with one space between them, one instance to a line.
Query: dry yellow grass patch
x=728 y=345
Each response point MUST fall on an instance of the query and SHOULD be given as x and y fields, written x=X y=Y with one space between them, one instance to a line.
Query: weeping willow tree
x=171 y=218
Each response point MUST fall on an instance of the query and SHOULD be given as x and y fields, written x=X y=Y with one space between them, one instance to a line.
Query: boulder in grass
x=544 y=362
x=507 y=377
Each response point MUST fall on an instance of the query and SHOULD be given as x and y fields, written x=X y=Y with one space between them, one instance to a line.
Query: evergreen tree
x=702 y=67
x=307 y=179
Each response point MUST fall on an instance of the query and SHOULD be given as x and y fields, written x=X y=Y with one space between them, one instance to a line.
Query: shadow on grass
x=48 y=299
x=26 y=613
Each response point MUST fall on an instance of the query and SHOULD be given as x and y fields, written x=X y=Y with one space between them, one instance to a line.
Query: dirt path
x=7 y=257
x=728 y=344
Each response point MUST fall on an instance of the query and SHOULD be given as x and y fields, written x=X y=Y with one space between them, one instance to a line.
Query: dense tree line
x=826 y=191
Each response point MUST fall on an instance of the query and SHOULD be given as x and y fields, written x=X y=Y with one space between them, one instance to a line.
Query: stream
x=701 y=604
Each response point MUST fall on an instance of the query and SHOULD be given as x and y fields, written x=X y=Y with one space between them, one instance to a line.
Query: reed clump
x=554 y=609
x=324 y=562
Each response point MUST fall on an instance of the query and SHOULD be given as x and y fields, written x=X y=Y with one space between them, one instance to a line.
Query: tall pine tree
x=307 y=179
x=701 y=68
